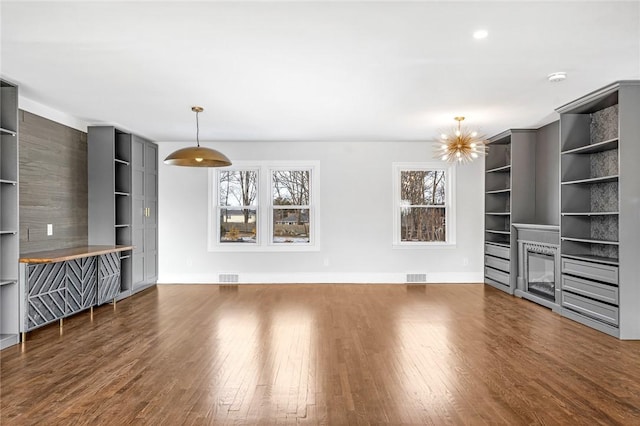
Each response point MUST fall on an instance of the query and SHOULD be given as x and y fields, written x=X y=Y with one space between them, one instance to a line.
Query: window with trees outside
x=423 y=207
x=262 y=206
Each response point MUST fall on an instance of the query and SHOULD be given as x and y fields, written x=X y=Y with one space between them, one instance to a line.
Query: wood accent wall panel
x=53 y=184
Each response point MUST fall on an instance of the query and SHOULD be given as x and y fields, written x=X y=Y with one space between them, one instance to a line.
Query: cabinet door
x=46 y=294
x=138 y=210
x=145 y=214
x=81 y=283
x=151 y=218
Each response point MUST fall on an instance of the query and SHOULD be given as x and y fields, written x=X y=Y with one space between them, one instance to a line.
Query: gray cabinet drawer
x=496 y=262
x=495 y=275
x=590 y=308
x=498 y=251
x=494 y=283
x=594 y=271
x=603 y=292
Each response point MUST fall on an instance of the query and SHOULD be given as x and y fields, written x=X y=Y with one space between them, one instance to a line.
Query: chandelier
x=197 y=156
x=462 y=145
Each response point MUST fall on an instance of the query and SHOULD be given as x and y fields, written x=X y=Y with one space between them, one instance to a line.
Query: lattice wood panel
x=46 y=294
x=108 y=277
x=81 y=284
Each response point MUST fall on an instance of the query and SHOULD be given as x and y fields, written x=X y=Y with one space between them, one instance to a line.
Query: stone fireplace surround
x=543 y=239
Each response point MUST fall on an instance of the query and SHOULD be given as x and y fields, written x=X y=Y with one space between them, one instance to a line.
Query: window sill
x=243 y=248
x=423 y=246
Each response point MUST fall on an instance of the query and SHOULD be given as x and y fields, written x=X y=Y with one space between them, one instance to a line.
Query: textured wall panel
x=53 y=184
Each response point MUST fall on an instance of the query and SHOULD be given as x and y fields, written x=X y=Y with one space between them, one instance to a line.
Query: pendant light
x=461 y=146
x=197 y=156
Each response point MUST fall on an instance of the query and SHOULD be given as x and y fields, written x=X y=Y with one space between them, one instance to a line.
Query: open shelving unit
x=123 y=202
x=600 y=243
x=9 y=240
x=110 y=205
x=507 y=184
x=498 y=191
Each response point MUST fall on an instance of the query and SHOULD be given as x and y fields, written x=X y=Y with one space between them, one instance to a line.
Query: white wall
x=355 y=227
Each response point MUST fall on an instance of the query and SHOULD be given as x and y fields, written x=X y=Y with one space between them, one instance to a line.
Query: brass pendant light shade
x=197 y=156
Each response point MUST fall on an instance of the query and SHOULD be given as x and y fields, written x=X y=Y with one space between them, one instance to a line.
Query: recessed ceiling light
x=480 y=34
x=557 y=76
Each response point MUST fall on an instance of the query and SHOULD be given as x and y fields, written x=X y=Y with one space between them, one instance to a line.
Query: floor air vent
x=416 y=278
x=228 y=278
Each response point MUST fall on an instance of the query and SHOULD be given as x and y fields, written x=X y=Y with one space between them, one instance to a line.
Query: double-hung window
x=237 y=208
x=423 y=208
x=264 y=207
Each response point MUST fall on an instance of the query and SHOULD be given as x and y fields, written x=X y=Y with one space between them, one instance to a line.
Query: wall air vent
x=228 y=278
x=416 y=278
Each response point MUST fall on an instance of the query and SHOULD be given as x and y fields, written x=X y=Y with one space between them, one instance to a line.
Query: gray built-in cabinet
x=509 y=198
x=600 y=209
x=582 y=174
x=123 y=204
x=145 y=212
x=9 y=239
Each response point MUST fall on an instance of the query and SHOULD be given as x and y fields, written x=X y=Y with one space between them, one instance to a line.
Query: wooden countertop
x=52 y=256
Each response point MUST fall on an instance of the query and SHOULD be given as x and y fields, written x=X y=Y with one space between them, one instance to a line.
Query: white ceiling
x=327 y=70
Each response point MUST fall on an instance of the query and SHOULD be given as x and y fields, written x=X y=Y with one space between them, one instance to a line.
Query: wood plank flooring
x=321 y=354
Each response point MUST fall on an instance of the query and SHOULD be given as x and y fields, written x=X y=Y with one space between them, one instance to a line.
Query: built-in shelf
x=595 y=147
x=9 y=166
x=502 y=169
x=591 y=258
x=590 y=241
x=498 y=213
x=123 y=162
x=498 y=191
x=124 y=194
x=493 y=231
x=589 y=181
x=499 y=244
x=122 y=225
x=589 y=213
x=7 y=132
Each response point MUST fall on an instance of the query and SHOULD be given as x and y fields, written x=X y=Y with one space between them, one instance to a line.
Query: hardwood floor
x=321 y=354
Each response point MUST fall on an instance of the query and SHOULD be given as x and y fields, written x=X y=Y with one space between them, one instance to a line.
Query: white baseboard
x=323 y=278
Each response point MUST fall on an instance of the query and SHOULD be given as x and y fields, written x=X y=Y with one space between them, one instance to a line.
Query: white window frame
x=450 y=205
x=264 y=208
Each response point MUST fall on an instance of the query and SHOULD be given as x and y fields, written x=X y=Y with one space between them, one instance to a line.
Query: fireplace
x=538 y=264
x=540 y=272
